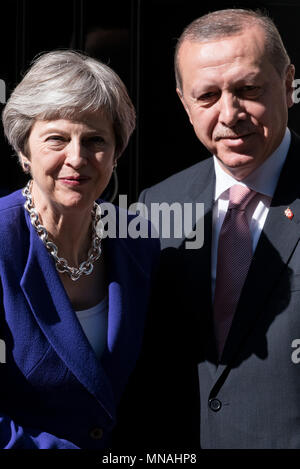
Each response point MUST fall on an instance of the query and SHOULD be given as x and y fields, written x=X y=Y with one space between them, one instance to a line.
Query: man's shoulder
x=176 y=187
x=132 y=233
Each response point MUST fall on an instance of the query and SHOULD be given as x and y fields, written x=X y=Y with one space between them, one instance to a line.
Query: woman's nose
x=76 y=154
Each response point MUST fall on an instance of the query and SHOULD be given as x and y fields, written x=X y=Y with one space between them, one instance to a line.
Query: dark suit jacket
x=54 y=393
x=251 y=399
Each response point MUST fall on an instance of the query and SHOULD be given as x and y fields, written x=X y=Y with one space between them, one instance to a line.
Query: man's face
x=236 y=100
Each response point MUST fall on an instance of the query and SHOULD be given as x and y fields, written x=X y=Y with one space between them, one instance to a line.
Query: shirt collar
x=264 y=179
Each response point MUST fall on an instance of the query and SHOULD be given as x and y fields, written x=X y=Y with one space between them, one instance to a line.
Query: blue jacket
x=54 y=393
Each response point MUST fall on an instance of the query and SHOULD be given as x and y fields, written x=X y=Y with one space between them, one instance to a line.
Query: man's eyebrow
x=249 y=76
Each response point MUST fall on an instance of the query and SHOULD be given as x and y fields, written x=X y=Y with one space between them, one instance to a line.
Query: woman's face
x=71 y=162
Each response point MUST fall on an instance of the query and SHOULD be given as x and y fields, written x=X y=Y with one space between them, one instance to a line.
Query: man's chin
x=238 y=166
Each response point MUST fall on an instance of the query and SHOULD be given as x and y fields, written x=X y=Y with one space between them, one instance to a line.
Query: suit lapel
x=276 y=244
x=129 y=291
x=196 y=265
x=55 y=316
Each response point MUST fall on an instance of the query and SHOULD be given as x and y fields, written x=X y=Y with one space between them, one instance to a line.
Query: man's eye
x=207 y=96
x=250 y=90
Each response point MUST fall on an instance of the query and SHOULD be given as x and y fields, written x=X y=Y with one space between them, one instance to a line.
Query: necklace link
x=86 y=267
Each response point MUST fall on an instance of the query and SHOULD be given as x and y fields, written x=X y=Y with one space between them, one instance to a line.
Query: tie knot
x=240 y=196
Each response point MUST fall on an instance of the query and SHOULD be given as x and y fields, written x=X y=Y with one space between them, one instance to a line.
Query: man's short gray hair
x=230 y=22
x=66 y=84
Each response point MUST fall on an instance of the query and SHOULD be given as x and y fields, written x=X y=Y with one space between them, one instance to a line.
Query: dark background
x=137 y=39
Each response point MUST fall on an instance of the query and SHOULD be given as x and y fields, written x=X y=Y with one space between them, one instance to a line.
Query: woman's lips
x=71 y=181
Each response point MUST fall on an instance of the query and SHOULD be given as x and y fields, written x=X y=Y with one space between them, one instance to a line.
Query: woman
x=73 y=307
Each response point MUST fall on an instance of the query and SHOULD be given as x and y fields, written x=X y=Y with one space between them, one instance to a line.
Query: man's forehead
x=243 y=76
x=250 y=42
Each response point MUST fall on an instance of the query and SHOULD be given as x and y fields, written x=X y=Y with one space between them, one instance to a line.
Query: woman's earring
x=26 y=167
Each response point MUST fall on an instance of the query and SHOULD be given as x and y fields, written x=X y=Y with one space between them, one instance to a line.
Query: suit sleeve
x=13 y=436
x=143 y=196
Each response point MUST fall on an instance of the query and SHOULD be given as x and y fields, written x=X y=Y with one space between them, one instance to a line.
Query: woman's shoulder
x=12 y=214
x=12 y=226
x=11 y=202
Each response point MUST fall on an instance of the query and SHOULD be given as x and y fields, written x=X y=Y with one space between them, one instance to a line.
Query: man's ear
x=289 y=81
x=184 y=103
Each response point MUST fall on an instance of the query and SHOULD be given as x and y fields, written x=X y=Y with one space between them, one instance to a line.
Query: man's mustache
x=234 y=132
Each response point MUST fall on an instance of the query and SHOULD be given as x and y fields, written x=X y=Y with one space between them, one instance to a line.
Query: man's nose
x=76 y=154
x=231 y=110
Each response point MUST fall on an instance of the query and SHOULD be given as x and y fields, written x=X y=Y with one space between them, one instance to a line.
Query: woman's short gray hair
x=230 y=22
x=66 y=84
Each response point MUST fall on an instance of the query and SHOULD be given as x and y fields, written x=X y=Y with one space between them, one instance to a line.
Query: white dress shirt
x=263 y=181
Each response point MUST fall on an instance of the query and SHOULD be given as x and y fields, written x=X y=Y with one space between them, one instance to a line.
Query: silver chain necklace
x=61 y=264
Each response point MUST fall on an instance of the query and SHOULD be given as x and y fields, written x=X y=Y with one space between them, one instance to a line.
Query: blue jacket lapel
x=55 y=316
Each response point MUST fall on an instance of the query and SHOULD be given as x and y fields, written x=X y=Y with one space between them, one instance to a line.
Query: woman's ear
x=25 y=163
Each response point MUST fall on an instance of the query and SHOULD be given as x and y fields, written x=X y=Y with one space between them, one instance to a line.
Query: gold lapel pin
x=288 y=213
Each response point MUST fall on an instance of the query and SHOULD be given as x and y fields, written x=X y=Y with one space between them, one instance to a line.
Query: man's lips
x=236 y=141
x=232 y=137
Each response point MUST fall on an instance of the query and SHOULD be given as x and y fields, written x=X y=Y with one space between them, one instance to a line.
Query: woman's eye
x=55 y=138
x=96 y=139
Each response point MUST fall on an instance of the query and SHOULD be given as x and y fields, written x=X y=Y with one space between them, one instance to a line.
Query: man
x=229 y=312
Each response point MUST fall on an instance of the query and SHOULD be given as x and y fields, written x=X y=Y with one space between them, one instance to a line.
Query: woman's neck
x=72 y=235
x=70 y=230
